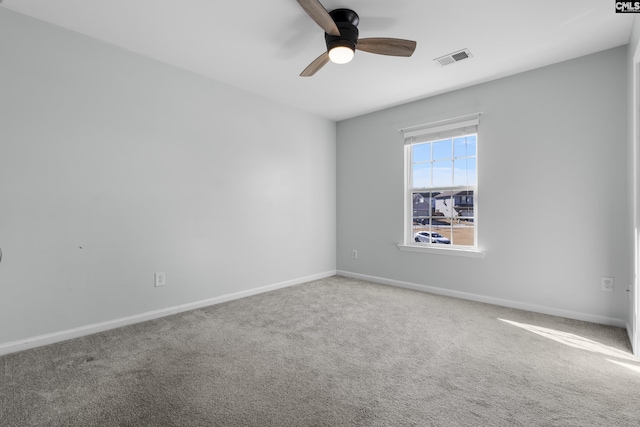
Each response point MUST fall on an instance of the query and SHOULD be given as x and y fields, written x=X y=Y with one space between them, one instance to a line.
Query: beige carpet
x=334 y=352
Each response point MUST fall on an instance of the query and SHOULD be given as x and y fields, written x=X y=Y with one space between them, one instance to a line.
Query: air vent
x=454 y=57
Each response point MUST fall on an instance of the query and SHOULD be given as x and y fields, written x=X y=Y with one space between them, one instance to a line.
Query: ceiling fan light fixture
x=341 y=54
x=342 y=37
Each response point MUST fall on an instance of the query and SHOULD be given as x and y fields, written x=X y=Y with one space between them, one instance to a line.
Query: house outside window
x=441 y=184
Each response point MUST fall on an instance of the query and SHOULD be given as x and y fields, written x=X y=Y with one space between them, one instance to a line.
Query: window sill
x=470 y=253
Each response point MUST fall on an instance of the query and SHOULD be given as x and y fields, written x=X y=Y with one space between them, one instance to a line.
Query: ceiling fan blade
x=387 y=46
x=318 y=13
x=315 y=66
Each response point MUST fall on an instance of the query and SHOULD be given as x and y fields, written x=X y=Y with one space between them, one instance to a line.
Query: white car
x=431 y=237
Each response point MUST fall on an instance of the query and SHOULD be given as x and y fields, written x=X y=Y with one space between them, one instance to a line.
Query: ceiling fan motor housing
x=346 y=20
x=341 y=37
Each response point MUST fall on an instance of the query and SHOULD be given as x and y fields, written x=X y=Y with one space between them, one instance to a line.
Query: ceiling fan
x=341 y=36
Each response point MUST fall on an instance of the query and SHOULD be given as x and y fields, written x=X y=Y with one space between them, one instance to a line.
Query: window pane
x=443 y=173
x=464 y=171
x=464 y=205
x=465 y=146
x=421 y=174
x=471 y=145
x=421 y=153
x=423 y=207
x=460 y=233
x=445 y=205
x=460 y=147
x=442 y=149
x=472 y=169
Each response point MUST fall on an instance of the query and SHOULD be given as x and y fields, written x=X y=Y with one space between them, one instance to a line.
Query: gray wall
x=114 y=166
x=553 y=207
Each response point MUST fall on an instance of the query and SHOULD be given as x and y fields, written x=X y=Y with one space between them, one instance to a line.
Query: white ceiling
x=262 y=46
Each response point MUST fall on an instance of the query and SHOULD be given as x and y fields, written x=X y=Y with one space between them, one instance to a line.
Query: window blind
x=442 y=129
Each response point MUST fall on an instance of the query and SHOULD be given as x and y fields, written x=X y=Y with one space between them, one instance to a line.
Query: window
x=441 y=184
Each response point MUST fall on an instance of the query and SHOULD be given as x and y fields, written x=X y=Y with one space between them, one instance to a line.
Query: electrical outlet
x=354 y=253
x=159 y=279
x=606 y=284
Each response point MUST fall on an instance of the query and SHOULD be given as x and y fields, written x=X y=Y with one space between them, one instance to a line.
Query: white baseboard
x=611 y=321
x=15 y=346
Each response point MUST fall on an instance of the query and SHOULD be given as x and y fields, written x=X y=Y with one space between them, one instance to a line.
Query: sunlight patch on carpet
x=634 y=368
x=575 y=341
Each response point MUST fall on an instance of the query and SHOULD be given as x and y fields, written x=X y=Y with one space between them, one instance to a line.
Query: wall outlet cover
x=606 y=284
x=159 y=279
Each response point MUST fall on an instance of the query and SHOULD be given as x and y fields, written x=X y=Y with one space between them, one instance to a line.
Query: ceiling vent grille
x=454 y=57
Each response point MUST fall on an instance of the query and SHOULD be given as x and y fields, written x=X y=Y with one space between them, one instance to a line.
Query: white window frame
x=441 y=130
